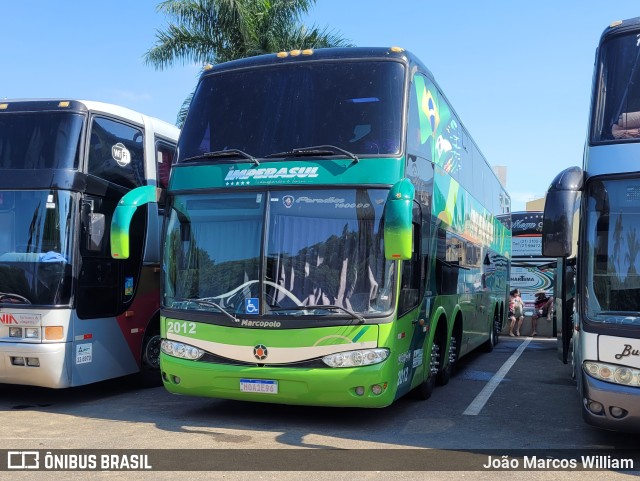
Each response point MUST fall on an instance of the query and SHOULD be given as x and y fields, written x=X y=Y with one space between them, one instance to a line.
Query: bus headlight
x=179 y=349
x=15 y=332
x=361 y=357
x=32 y=332
x=612 y=373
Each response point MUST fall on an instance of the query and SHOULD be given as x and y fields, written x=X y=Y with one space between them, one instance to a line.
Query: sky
x=518 y=74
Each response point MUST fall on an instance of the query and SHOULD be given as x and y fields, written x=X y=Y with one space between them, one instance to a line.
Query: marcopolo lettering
x=271 y=173
x=248 y=323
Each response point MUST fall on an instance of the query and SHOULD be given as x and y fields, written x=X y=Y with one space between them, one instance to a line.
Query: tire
x=447 y=371
x=151 y=352
x=149 y=375
x=497 y=329
x=492 y=341
x=424 y=390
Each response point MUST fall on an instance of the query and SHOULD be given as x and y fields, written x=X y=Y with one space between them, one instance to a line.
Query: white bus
x=598 y=206
x=70 y=314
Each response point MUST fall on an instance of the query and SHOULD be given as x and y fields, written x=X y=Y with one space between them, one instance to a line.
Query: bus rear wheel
x=493 y=337
x=424 y=390
x=447 y=371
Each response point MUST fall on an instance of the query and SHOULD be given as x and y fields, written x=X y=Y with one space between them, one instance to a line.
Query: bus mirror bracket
x=398 y=217
x=93 y=226
x=121 y=221
x=95 y=235
x=559 y=209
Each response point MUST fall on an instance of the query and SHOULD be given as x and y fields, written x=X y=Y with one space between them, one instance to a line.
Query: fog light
x=15 y=332
x=17 y=361
x=33 y=362
x=360 y=390
x=376 y=389
x=595 y=407
x=164 y=376
x=617 y=412
x=176 y=380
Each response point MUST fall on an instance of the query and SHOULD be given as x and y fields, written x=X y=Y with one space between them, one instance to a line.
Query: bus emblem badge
x=260 y=352
x=287 y=200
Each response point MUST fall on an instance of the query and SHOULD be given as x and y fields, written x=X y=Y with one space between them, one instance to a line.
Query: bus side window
x=415 y=145
x=165 y=156
x=411 y=274
x=116 y=153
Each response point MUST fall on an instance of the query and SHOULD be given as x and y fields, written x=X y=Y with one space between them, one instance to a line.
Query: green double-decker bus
x=332 y=234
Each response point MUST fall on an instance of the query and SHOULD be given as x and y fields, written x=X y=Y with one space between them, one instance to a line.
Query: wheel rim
x=152 y=352
x=453 y=351
x=435 y=360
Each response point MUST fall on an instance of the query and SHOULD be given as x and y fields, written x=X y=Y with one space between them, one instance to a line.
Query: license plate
x=259 y=385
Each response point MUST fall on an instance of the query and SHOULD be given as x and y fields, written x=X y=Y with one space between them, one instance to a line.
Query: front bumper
x=53 y=371
x=303 y=386
x=611 y=395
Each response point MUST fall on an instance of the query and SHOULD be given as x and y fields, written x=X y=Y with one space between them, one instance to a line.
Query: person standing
x=543 y=305
x=516 y=312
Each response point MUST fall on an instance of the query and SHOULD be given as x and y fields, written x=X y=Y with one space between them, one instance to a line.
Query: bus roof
x=346 y=53
x=620 y=26
x=83 y=106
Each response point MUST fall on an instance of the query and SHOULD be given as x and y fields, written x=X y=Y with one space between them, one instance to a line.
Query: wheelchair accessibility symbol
x=251 y=305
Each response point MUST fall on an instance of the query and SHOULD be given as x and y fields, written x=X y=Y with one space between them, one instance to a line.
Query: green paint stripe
x=359 y=335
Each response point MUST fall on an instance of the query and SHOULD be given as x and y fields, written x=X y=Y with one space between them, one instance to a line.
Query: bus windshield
x=36 y=245
x=37 y=140
x=323 y=248
x=613 y=247
x=355 y=106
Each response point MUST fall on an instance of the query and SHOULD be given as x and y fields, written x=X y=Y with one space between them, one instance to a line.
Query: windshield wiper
x=224 y=153
x=13 y=298
x=354 y=315
x=208 y=303
x=317 y=150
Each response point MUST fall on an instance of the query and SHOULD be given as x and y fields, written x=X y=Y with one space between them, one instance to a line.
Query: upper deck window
x=616 y=115
x=354 y=105
x=40 y=140
x=116 y=153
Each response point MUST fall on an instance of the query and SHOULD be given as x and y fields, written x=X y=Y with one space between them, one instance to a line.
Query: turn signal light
x=54 y=333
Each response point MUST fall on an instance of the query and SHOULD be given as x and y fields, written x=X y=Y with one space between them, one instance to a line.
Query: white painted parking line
x=481 y=399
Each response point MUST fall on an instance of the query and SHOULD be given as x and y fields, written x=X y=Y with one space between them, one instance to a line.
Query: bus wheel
x=497 y=327
x=424 y=390
x=446 y=372
x=492 y=341
x=151 y=351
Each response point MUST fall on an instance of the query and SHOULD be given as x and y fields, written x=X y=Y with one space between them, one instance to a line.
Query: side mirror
x=559 y=212
x=398 y=217
x=121 y=221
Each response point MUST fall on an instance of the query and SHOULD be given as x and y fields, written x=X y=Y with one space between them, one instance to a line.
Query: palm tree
x=214 y=31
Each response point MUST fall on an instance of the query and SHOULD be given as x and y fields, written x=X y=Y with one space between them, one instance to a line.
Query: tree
x=215 y=31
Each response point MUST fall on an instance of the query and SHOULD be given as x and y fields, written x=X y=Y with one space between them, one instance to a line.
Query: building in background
x=535 y=205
